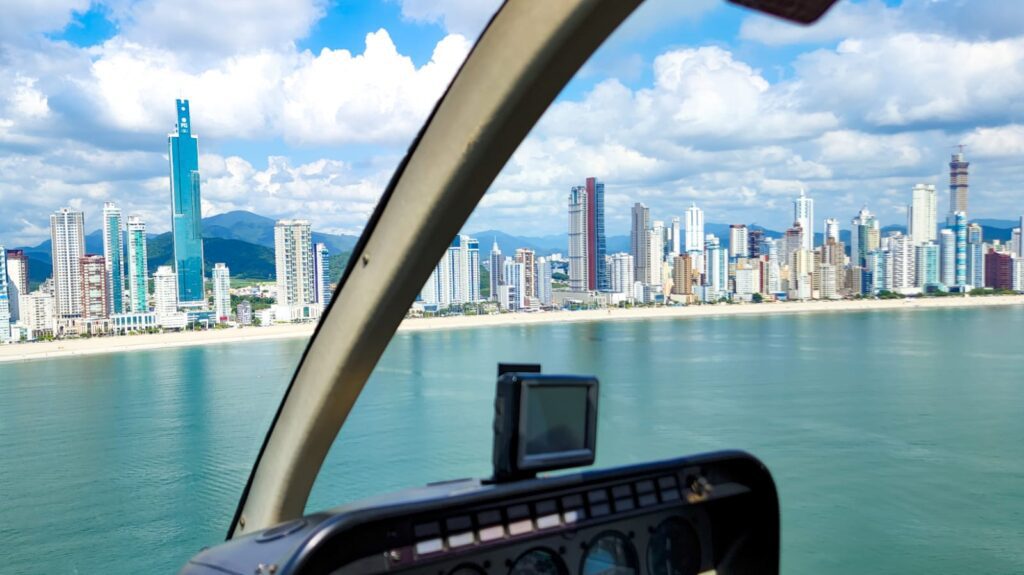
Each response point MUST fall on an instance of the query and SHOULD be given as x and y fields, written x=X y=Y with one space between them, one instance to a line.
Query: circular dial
x=610 y=553
x=674 y=549
x=540 y=562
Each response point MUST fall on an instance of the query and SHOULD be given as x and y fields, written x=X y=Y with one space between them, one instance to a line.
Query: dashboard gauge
x=539 y=562
x=610 y=553
x=674 y=549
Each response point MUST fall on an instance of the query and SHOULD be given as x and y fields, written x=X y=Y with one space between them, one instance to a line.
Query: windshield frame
x=527 y=53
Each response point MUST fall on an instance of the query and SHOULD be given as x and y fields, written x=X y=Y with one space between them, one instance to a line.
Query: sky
x=304 y=107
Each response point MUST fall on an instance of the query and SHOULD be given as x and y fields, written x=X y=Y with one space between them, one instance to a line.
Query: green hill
x=245 y=260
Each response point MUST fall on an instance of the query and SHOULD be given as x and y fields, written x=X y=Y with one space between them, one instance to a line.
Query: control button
x=548 y=521
x=492 y=533
x=597 y=496
x=645 y=486
x=570 y=517
x=624 y=504
x=599 y=510
x=520 y=527
x=461 y=540
x=621 y=491
x=667 y=482
x=572 y=501
x=429 y=546
x=648 y=499
x=546 y=507
x=424 y=530
x=672 y=495
x=517 y=512
x=491 y=517
x=458 y=524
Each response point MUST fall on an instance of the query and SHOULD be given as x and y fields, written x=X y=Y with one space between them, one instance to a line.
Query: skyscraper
x=17 y=281
x=958 y=185
x=677 y=232
x=221 y=277
x=186 y=210
x=960 y=231
x=113 y=255
x=579 y=259
x=456 y=278
x=904 y=264
x=927 y=264
x=1020 y=252
x=803 y=213
x=544 y=272
x=738 y=247
x=641 y=222
x=293 y=257
x=831 y=230
x=622 y=269
x=694 y=229
x=683 y=275
x=975 y=256
x=947 y=257
x=165 y=292
x=5 y=303
x=655 y=247
x=754 y=239
x=322 y=274
x=597 y=278
x=922 y=214
x=527 y=258
x=67 y=238
x=138 y=275
x=497 y=269
x=95 y=291
x=864 y=237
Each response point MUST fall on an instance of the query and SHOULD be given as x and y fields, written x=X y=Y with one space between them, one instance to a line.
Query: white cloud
x=1000 y=142
x=23 y=19
x=465 y=17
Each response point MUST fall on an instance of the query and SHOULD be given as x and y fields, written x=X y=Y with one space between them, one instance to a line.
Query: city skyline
x=804 y=113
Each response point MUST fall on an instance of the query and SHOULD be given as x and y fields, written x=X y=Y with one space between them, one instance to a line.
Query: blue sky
x=304 y=107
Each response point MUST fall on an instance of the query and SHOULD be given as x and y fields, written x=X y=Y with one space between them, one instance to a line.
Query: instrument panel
x=708 y=513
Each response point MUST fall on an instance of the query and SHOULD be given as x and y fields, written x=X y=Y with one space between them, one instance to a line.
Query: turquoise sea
x=896 y=438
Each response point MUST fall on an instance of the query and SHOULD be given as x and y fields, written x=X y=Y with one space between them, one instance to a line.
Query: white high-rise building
x=716 y=269
x=803 y=213
x=113 y=257
x=694 y=229
x=165 y=292
x=513 y=298
x=544 y=272
x=456 y=278
x=1020 y=251
x=67 y=235
x=579 y=271
x=17 y=281
x=38 y=313
x=322 y=274
x=653 y=253
x=770 y=248
x=922 y=214
x=293 y=254
x=677 y=235
x=221 y=292
x=947 y=257
x=138 y=276
x=738 y=240
x=748 y=280
x=621 y=269
x=831 y=229
x=5 y=302
x=903 y=262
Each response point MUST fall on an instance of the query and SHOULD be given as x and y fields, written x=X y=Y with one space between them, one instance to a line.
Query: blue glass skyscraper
x=186 y=213
x=960 y=231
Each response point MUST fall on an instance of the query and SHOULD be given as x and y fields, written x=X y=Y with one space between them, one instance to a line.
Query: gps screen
x=556 y=419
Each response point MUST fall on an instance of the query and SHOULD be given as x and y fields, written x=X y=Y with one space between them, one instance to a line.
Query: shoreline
x=117 y=344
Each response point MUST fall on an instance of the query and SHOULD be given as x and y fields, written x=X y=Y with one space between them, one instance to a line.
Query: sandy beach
x=75 y=347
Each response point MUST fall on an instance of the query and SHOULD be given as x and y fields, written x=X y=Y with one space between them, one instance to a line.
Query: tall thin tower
x=597 y=279
x=67 y=237
x=638 y=239
x=113 y=257
x=803 y=213
x=958 y=183
x=186 y=210
x=578 y=245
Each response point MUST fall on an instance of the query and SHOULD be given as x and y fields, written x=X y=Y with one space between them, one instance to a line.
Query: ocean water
x=896 y=438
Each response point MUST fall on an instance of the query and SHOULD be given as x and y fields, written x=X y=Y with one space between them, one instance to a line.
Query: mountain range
x=245 y=242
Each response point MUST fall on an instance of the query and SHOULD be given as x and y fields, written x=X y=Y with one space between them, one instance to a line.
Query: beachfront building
x=113 y=257
x=621 y=268
x=803 y=214
x=5 y=303
x=67 y=246
x=165 y=299
x=641 y=222
x=544 y=279
x=38 y=314
x=579 y=259
x=17 y=281
x=496 y=268
x=138 y=275
x=95 y=292
x=186 y=211
x=456 y=278
x=293 y=254
x=221 y=293
x=922 y=214
x=322 y=274
x=738 y=239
